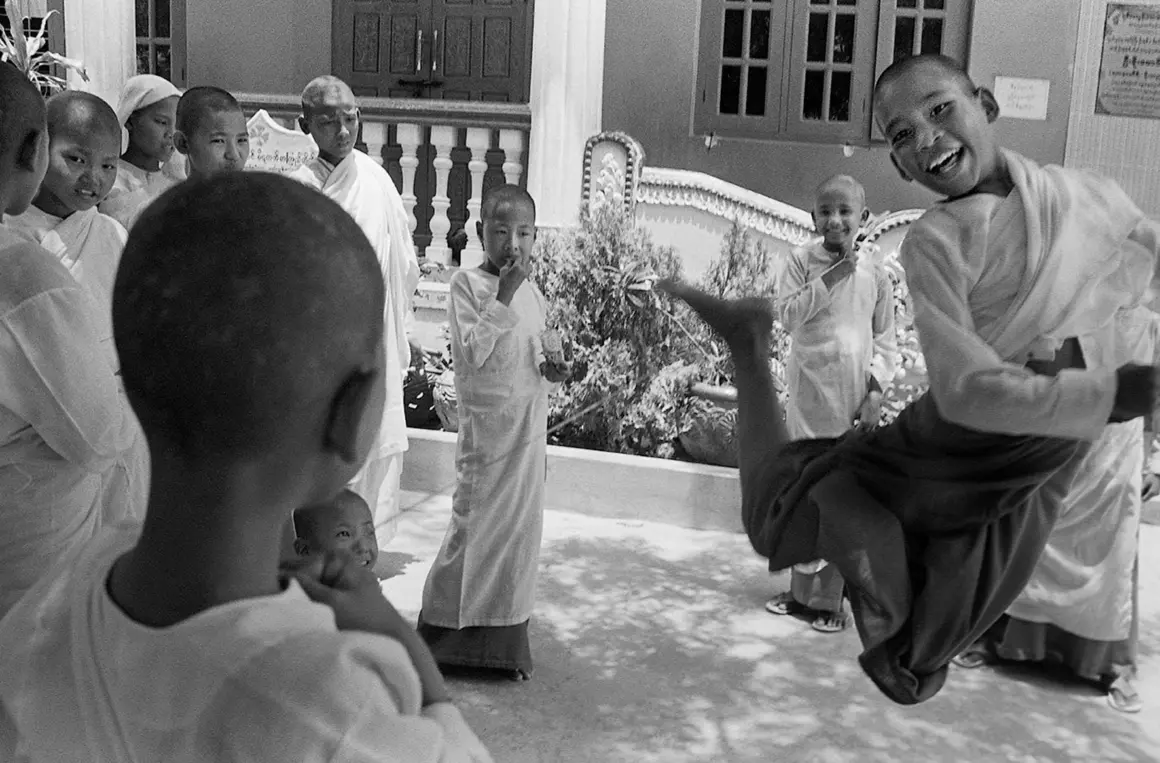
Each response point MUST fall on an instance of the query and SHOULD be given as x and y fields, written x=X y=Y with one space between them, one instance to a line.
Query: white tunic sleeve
x=885 y=363
x=799 y=298
x=477 y=322
x=56 y=377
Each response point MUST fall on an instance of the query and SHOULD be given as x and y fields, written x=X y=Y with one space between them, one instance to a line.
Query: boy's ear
x=990 y=105
x=479 y=229
x=865 y=215
x=344 y=423
x=301 y=547
x=303 y=125
x=29 y=151
x=814 y=217
x=897 y=166
x=181 y=142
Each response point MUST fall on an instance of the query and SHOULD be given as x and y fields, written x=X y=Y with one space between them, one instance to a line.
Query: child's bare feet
x=520 y=675
x=740 y=322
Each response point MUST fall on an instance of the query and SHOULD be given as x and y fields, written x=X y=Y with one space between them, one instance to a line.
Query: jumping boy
x=147 y=111
x=330 y=114
x=838 y=306
x=181 y=640
x=65 y=430
x=937 y=520
x=211 y=132
x=480 y=593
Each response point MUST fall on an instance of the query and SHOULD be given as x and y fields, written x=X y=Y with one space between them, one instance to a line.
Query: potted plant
x=30 y=54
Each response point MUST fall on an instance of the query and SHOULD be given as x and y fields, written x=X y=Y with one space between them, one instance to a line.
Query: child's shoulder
x=29 y=271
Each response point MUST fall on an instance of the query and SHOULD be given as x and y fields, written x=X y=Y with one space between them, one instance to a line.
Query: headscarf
x=141 y=92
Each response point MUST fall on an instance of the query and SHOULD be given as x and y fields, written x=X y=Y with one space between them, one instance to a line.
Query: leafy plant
x=30 y=54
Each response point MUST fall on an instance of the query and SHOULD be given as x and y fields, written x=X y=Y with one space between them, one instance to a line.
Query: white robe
x=485 y=573
x=260 y=679
x=1084 y=582
x=367 y=193
x=839 y=338
x=66 y=431
x=136 y=189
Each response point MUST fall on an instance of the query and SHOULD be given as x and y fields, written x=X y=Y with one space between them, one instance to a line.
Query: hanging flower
x=29 y=54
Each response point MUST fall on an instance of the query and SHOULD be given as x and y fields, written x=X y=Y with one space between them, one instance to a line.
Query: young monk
x=937 y=520
x=343 y=523
x=147 y=112
x=211 y=132
x=181 y=640
x=84 y=142
x=64 y=428
x=480 y=592
x=330 y=114
x=838 y=307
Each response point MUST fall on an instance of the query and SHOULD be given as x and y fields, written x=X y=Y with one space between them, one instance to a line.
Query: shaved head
x=197 y=103
x=945 y=65
x=244 y=303
x=843 y=183
x=308 y=519
x=82 y=114
x=326 y=91
x=22 y=112
x=502 y=195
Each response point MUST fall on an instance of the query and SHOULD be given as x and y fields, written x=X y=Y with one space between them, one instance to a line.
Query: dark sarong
x=936 y=529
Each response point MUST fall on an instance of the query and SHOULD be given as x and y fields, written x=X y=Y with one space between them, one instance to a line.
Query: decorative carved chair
x=274 y=148
x=613 y=162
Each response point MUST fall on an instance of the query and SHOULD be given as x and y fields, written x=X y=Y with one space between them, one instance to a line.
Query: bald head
x=80 y=113
x=199 y=103
x=843 y=184
x=243 y=304
x=22 y=130
x=505 y=195
x=900 y=71
x=327 y=92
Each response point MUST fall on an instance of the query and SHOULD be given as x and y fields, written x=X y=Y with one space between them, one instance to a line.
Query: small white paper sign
x=1021 y=98
x=274 y=148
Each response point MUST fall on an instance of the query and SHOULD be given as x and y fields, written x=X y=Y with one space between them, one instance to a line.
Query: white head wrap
x=141 y=92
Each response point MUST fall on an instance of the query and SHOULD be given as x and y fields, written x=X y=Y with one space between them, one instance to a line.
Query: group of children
x=258 y=331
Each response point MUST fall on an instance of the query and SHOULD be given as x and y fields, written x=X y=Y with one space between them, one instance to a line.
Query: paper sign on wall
x=1021 y=98
x=1129 y=83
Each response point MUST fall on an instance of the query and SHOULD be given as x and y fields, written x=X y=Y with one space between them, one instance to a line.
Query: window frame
x=176 y=41
x=874 y=33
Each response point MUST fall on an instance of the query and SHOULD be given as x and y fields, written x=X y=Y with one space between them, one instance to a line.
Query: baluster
x=374 y=135
x=479 y=141
x=410 y=137
x=512 y=143
x=442 y=139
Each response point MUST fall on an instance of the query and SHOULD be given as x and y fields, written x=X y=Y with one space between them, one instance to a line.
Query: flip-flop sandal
x=783 y=604
x=1122 y=696
x=830 y=623
x=974 y=657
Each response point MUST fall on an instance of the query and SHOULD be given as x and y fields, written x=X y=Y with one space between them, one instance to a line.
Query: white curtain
x=101 y=33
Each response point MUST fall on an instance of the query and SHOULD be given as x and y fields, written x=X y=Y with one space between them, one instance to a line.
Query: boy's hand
x=1151 y=487
x=1136 y=388
x=511 y=277
x=841 y=270
x=870 y=412
x=556 y=372
x=340 y=582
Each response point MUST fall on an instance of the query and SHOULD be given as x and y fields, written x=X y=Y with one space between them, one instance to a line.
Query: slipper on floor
x=1122 y=696
x=974 y=657
x=783 y=604
x=830 y=623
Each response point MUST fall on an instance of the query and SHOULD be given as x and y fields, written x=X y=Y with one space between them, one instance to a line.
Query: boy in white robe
x=364 y=189
x=182 y=639
x=937 y=520
x=838 y=306
x=211 y=132
x=480 y=592
x=147 y=113
x=343 y=523
x=65 y=430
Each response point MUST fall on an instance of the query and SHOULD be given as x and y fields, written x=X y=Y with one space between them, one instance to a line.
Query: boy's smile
x=839 y=212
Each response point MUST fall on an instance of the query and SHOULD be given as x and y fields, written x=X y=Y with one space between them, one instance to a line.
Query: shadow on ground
x=651 y=644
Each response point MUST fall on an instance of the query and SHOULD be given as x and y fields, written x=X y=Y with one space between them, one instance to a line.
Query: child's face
x=939 y=133
x=509 y=233
x=334 y=124
x=151 y=129
x=839 y=213
x=347 y=525
x=220 y=143
x=82 y=168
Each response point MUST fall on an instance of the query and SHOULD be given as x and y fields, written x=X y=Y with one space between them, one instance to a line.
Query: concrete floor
x=651 y=644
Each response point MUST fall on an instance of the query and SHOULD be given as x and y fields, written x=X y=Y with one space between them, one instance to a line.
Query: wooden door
x=379 y=47
x=480 y=49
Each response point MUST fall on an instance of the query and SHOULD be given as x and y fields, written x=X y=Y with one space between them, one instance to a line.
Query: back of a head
x=76 y=110
x=22 y=112
x=947 y=65
x=501 y=195
x=199 y=102
x=241 y=300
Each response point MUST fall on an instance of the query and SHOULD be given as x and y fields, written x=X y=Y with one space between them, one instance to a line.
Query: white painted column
x=443 y=140
x=410 y=137
x=374 y=135
x=101 y=33
x=478 y=140
x=566 y=101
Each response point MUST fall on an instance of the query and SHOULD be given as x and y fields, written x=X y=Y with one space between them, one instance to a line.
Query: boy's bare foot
x=520 y=676
x=740 y=322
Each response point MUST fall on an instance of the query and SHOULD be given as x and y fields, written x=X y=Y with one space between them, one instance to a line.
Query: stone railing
x=440 y=153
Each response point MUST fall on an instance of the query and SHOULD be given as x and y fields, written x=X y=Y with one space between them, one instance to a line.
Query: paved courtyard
x=651 y=644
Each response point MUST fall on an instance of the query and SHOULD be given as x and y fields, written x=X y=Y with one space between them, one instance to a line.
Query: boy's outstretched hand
x=351 y=589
